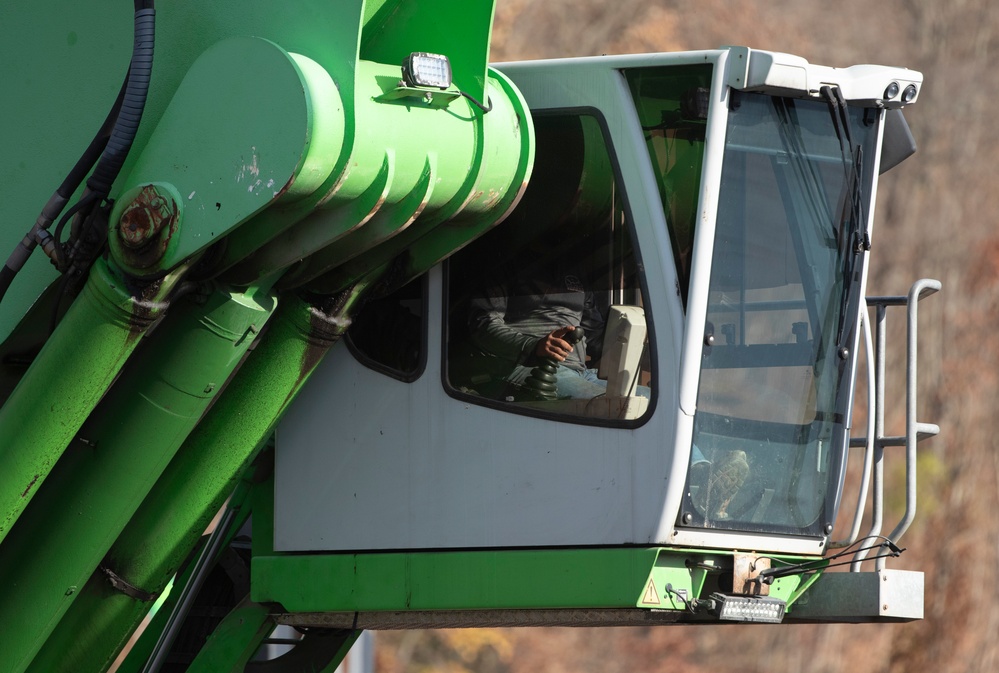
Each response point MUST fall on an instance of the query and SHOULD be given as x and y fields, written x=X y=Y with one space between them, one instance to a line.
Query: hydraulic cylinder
x=115 y=459
x=195 y=485
x=68 y=377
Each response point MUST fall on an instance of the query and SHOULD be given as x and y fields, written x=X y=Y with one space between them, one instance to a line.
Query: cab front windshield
x=771 y=407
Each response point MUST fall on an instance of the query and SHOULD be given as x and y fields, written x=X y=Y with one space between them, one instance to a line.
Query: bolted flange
x=149 y=217
x=145 y=217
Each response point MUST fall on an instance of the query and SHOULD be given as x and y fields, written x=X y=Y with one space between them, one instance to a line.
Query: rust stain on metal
x=146 y=227
x=328 y=320
x=146 y=217
x=30 y=485
x=146 y=306
x=493 y=198
x=281 y=192
x=745 y=575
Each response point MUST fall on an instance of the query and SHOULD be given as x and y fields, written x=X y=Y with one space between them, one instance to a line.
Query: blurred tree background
x=934 y=219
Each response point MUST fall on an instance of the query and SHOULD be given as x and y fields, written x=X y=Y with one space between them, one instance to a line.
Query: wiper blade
x=850 y=227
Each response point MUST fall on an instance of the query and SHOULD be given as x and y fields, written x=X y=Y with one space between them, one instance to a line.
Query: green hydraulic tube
x=470 y=192
x=492 y=193
x=203 y=474
x=238 y=637
x=405 y=148
x=144 y=643
x=155 y=631
x=115 y=460
x=66 y=380
x=414 y=162
x=195 y=484
x=241 y=633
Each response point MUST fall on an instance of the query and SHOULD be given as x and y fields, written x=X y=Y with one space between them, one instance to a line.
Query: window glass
x=389 y=333
x=771 y=405
x=561 y=266
x=672 y=106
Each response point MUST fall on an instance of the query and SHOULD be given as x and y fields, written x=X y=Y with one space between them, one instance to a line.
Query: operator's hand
x=554 y=344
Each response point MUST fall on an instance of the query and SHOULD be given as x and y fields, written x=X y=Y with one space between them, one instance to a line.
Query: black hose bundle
x=109 y=148
x=127 y=124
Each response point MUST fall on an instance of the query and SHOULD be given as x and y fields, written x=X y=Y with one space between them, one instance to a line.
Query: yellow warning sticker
x=651 y=596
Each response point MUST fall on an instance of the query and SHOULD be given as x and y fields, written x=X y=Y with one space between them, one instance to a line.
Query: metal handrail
x=914 y=430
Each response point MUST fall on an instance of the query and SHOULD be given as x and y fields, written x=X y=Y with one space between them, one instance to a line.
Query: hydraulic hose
x=112 y=148
x=60 y=198
x=89 y=156
x=6 y=278
x=127 y=124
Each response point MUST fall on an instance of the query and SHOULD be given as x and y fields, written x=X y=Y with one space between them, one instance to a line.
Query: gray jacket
x=514 y=313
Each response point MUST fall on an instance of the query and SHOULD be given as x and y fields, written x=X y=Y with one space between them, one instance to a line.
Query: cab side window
x=545 y=314
x=389 y=334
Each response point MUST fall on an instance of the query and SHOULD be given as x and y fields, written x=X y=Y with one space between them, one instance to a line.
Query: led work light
x=428 y=70
x=759 y=609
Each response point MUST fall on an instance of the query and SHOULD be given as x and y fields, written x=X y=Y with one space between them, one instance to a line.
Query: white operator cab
x=703 y=219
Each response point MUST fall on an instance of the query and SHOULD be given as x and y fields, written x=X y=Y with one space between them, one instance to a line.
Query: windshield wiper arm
x=851 y=231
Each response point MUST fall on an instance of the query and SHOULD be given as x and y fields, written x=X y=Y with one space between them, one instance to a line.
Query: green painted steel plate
x=490 y=580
